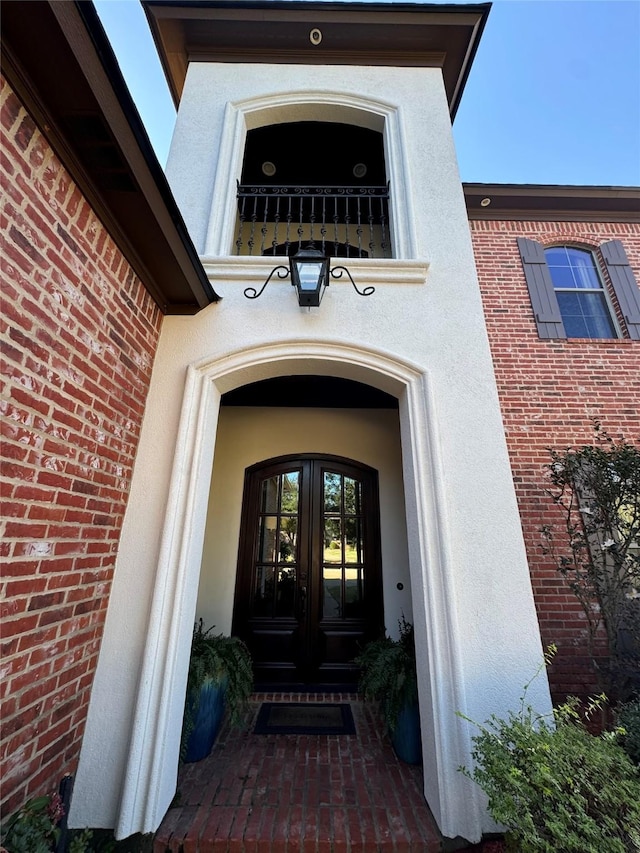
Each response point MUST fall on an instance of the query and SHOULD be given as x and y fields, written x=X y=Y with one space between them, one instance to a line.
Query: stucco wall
x=248 y=435
x=420 y=336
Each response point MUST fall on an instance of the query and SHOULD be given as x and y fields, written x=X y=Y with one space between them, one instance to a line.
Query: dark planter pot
x=406 y=738
x=208 y=719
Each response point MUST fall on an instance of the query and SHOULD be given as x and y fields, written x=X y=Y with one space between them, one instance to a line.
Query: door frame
x=373 y=601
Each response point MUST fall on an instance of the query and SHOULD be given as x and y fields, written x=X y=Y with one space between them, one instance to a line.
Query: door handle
x=303 y=600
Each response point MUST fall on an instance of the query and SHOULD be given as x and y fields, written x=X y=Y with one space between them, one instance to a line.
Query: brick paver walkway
x=300 y=793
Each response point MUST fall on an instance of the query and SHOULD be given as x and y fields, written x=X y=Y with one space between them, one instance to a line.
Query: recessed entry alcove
x=317 y=182
x=314 y=153
x=325 y=455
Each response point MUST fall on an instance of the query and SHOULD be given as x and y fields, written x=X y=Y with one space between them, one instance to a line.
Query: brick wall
x=79 y=332
x=549 y=392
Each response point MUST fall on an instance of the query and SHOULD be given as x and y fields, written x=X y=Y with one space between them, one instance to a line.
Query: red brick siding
x=79 y=333
x=549 y=392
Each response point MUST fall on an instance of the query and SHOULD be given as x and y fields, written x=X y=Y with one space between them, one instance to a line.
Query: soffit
x=552 y=202
x=59 y=61
x=398 y=34
x=324 y=392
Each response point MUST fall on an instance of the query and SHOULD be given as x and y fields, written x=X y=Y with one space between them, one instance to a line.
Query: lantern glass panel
x=309 y=275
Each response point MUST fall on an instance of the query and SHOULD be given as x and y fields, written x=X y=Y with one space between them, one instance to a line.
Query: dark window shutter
x=541 y=292
x=624 y=285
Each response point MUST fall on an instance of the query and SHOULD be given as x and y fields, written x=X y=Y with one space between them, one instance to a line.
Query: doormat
x=304 y=718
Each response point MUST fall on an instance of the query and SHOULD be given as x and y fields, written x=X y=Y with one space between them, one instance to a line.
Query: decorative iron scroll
x=336 y=272
x=283 y=272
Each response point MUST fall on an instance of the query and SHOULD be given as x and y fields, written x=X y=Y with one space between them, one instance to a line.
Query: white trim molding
x=246 y=268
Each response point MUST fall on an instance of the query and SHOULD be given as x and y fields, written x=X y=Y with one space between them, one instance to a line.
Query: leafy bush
x=32 y=829
x=221 y=659
x=596 y=489
x=389 y=673
x=628 y=718
x=555 y=786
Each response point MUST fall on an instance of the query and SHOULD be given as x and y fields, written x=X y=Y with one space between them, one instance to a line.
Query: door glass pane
x=332 y=592
x=263 y=592
x=288 y=539
x=267 y=539
x=353 y=597
x=285 y=597
x=353 y=551
x=289 y=495
x=269 y=496
x=332 y=492
x=351 y=496
x=332 y=540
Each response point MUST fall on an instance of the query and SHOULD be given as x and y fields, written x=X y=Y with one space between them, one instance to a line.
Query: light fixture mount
x=310 y=271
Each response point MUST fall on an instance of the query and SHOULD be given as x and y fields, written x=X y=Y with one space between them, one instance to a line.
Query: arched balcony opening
x=316 y=183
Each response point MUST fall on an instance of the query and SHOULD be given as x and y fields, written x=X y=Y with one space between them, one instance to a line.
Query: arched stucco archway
x=149 y=783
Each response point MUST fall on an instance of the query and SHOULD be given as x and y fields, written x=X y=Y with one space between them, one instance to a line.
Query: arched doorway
x=152 y=756
x=308 y=589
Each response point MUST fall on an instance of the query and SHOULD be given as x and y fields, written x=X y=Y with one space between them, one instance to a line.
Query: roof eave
x=78 y=79
x=552 y=202
x=410 y=34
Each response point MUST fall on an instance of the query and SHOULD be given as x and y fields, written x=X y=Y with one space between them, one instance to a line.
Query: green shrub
x=388 y=673
x=628 y=718
x=223 y=660
x=33 y=828
x=596 y=492
x=555 y=786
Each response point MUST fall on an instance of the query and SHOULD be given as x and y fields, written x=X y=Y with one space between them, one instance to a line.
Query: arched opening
x=322 y=183
x=302 y=419
x=149 y=781
x=323 y=123
x=314 y=153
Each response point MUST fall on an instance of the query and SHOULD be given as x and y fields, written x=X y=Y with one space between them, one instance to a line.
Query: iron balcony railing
x=351 y=222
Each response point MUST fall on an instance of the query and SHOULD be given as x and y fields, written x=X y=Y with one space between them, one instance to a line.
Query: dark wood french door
x=308 y=589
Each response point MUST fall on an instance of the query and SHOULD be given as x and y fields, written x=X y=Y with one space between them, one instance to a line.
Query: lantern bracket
x=252 y=293
x=309 y=256
x=336 y=272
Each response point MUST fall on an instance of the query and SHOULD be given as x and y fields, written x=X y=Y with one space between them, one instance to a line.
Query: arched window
x=568 y=295
x=582 y=299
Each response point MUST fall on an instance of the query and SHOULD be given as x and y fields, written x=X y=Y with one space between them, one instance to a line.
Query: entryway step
x=300 y=793
x=227 y=829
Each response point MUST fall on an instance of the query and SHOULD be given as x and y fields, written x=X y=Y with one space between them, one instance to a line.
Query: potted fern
x=388 y=676
x=220 y=678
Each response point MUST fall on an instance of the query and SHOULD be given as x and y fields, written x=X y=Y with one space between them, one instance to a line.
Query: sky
x=553 y=96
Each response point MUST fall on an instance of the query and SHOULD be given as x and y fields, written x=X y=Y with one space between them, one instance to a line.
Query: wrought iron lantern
x=309 y=276
x=310 y=271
